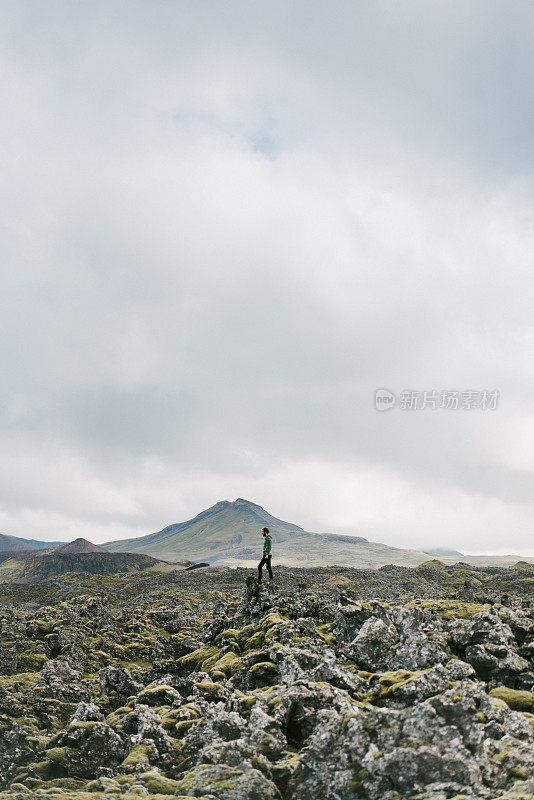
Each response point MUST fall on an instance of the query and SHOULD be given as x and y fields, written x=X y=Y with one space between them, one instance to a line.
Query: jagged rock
x=407 y=751
x=15 y=749
x=88 y=745
x=372 y=646
x=8 y=660
x=62 y=682
x=227 y=783
x=118 y=680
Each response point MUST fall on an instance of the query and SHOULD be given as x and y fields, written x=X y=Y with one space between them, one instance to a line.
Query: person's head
x=264 y=532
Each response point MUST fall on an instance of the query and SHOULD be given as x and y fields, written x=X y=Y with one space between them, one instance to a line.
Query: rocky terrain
x=332 y=683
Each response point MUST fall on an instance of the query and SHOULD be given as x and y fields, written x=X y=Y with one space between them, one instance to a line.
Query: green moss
x=325 y=635
x=41 y=769
x=86 y=725
x=125 y=780
x=181 y=728
x=190 y=709
x=55 y=789
x=270 y=620
x=31 y=662
x=273 y=703
x=245 y=704
x=139 y=752
x=177 y=747
x=115 y=718
x=200 y=775
x=233 y=634
x=20 y=681
x=209 y=688
x=159 y=784
x=497 y=703
x=290 y=759
x=245 y=633
x=100 y=655
x=255 y=641
x=450 y=609
x=38 y=742
x=266 y=745
x=517 y=699
x=339 y=580
x=390 y=682
x=162 y=710
x=263 y=666
x=20 y=776
x=45 y=627
x=229 y=664
x=195 y=659
x=57 y=754
x=156 y=695
x=519 y=773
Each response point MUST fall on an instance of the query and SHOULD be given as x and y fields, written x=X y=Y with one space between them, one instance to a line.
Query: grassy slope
x=13 y=543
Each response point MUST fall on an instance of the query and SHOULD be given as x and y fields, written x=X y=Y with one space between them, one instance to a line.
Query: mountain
x=14 y=543
x=230 y=533
x=53 y=565
x=79 y=546
x=443 y=551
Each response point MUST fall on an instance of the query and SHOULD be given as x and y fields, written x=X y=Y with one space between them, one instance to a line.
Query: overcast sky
x=226 y=224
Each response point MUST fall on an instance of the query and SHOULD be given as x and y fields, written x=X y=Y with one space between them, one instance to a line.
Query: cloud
x=225 y=229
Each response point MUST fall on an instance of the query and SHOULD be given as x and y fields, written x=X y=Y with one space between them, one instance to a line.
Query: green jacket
x=267 y=544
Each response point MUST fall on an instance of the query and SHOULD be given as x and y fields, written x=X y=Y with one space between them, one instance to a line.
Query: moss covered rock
x=516 y=699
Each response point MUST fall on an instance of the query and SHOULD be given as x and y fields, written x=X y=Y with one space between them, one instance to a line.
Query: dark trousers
x=266 y=560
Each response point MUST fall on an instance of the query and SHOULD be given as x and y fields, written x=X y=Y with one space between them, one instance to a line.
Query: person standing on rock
x=266 y=558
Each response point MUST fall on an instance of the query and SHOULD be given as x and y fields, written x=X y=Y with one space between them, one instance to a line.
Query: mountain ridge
x=12 y=543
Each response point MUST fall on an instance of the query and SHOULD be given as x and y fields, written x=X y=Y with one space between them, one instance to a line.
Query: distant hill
x=443 y=551
x=14 y=543
x=53 y=565
x=79 y=546
x=229 y=533
x=524 y=565
x=76 y=547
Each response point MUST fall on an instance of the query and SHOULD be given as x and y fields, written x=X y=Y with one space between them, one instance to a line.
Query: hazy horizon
x=226 y=226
